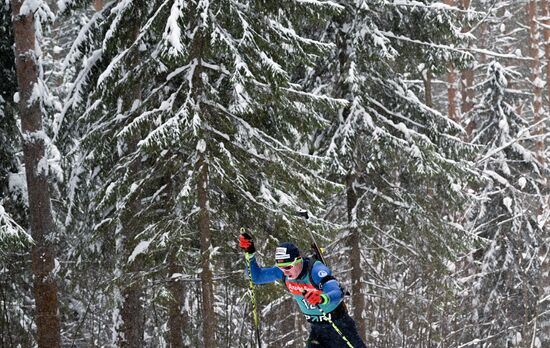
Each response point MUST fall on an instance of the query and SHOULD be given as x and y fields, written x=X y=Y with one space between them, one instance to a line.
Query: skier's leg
x=312 y=343
x=314 y=339
x=349 y=330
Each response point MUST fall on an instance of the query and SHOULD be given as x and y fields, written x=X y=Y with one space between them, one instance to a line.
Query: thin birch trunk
x=36 y=168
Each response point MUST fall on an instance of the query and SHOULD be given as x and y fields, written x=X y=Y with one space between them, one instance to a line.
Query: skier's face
x=294 y=271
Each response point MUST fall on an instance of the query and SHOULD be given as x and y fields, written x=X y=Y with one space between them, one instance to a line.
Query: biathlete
x=315 y=290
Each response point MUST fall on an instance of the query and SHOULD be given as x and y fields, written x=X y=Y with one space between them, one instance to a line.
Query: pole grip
x=253 y=299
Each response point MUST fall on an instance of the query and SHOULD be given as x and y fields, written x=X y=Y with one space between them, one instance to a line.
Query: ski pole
x=253 y=299
x=314 y=245
x=334 y=326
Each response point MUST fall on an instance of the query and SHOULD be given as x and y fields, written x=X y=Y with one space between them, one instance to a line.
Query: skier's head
x=289 y=260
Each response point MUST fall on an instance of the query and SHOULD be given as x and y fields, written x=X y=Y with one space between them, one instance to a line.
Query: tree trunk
x=427 y=77
x=208 y=319
x=98 y=5
x=467 y=94
x=536 y=76
x=132 y=315
x=546 y=31
x=175 y=316
x=36 y=168
x=545 y=283
x=201 y=169
x=482 y=36
x=132 y=312
x=467 y=82
x=451 y=84
x=451 y=93
x=358 y=298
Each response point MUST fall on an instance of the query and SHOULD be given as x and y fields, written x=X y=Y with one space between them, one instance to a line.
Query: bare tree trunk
x=536 y=71
x=358 y=298
x=132 y=312
x=451 y=84
x=481 y=39
x=545 y=283
x=98 y=5
x=546 y=32
x=451 y=93
x=427 y=78
x=175 y=316
x=467 y=82
x=467 y=93
x=36 y=168
x=208 y=319
x=132 y=315
x=535 y=76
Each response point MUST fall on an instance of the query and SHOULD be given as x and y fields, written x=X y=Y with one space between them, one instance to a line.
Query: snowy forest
x=137 y=139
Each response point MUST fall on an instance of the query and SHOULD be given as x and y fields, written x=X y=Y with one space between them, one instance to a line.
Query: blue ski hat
x=286 y=252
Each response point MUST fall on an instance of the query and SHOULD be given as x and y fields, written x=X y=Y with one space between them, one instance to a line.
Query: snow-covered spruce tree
x=81 y=303
x=504 y=300
x=15 y=294
x=199 y=97
x=499 y=32
x=401 y=162
x=16 y=320
x=13 y=211
x=507 y=33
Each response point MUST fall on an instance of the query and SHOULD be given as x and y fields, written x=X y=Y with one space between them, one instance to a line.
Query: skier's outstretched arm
x=262 y=275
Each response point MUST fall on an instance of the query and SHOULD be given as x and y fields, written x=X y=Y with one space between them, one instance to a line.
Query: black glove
x=246 y=243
